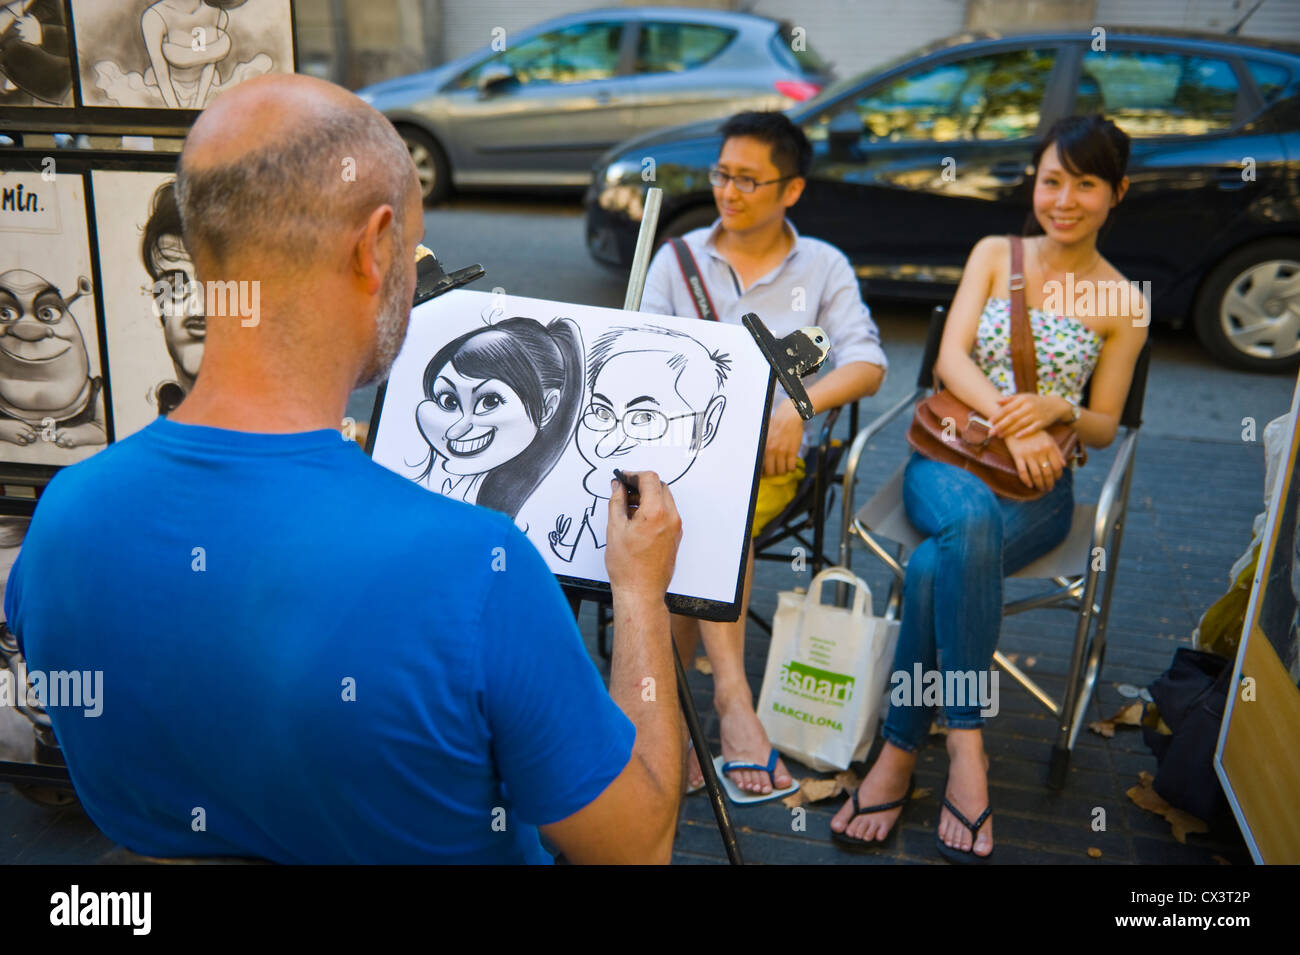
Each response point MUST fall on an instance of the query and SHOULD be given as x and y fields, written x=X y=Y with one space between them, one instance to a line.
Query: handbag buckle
x=1016 y=282
x=973 y=420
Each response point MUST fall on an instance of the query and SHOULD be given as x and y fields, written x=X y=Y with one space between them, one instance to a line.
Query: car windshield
x=837 y=89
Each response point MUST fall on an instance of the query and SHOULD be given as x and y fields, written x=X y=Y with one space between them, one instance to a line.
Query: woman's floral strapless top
x=1067 y=350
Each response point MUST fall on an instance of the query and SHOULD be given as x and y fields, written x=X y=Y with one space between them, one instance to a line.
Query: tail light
x=797 y=90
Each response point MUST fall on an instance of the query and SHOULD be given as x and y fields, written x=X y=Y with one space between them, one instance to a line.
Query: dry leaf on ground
x=1130 y=715
x=815 y=790
x=921 y=793
x=1184 y=823
x=703 y=665
x=1094 y=853
x=848 y=779
x=795 y=799
x=1103 y=728
x=1181 y=823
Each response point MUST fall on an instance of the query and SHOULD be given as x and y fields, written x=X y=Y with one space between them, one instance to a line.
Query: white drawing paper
x=51 y=384
x=153 y=307
x=528 y=406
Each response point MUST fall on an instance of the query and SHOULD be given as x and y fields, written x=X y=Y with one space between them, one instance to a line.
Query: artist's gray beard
x=390 y=328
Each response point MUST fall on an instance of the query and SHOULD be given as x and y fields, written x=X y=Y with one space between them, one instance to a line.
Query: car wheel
x=696 y=218
x=430 y=164
x=1248 y=311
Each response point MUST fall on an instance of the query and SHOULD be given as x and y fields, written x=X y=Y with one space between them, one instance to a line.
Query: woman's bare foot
x=745 y=741
x=968 y=790
x=886 y=781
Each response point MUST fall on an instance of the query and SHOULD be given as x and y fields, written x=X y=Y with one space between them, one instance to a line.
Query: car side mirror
x=494 y=78
x=843 y=133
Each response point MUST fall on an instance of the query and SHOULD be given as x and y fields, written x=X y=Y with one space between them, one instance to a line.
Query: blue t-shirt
x=305 y=657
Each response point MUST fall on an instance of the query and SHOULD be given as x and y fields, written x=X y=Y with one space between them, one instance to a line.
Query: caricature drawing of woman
x=185 y=40
x=500 y=406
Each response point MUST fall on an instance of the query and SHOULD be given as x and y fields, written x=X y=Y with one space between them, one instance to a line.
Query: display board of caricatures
x=101 y=319
x=153 y=57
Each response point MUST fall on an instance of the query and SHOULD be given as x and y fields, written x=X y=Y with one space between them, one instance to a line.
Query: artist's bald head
x=300 y=184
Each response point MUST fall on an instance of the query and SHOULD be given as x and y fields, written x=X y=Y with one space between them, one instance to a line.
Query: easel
x=791 y=358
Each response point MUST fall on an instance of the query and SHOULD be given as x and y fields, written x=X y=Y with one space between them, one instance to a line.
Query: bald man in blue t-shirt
x=305 y=657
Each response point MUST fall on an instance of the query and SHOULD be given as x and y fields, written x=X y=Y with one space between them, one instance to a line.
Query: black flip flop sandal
x=851 y=844
x=967 y=856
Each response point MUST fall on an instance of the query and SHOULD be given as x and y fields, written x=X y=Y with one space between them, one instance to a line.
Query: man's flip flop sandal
x=738 y=795
x=968 y=856
x=846 y=841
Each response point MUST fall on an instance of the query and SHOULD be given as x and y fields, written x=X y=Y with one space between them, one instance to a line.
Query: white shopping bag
x=826 y=674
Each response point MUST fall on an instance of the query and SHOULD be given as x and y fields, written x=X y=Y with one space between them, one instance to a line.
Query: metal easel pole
x=635 y=289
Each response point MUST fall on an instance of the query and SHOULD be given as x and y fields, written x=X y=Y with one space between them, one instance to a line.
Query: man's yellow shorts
x=774 y=494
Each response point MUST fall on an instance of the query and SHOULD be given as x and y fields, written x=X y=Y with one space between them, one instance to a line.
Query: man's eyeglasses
x=719 y=179
x=639 y=424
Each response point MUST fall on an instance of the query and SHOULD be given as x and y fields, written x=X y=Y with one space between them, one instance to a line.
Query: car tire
x=430 y=164
x=697 y=217
x=1248 y=287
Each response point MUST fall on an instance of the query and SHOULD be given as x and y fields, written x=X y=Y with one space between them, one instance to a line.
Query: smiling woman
x=500 y=405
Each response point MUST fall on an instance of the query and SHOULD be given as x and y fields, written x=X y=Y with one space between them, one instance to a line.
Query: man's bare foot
x=968 y=790
x=745 y=741
x=694 y=777
x=886 y=781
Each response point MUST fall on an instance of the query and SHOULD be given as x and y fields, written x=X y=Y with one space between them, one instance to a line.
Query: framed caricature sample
x=177 y=54
x=153 y=310
x=52 y=396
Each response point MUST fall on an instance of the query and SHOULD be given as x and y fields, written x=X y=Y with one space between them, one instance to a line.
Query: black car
x=915 y=162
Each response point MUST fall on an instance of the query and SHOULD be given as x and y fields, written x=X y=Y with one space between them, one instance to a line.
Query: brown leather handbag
x=945 y=428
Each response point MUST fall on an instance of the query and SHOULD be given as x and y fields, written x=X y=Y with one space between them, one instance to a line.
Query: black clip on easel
x=799 y=354
x=431 y=280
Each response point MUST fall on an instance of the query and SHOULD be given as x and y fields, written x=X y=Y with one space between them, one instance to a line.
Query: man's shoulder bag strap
x=695 y=284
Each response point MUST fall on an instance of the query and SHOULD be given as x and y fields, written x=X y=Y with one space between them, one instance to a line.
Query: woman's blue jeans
x=952 y=594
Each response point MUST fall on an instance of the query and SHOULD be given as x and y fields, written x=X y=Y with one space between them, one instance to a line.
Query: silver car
x=541 y=108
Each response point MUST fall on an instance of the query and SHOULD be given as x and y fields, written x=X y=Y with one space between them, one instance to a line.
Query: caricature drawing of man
x=655 y=403
x=178 y=299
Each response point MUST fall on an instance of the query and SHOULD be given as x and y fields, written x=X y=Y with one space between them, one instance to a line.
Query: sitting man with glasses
x=752 y=260
x=655 y=403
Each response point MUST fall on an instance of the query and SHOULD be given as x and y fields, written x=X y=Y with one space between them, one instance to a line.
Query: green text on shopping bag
x=814 y=684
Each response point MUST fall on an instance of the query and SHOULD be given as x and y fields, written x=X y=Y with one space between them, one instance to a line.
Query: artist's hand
x=784 y=435
x=641 y=548
x=1038 y=459
x=1019 y=416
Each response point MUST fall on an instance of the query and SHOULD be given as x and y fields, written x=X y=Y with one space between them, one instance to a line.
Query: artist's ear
x=712 y=415
x=551 y=402
x=373 y=252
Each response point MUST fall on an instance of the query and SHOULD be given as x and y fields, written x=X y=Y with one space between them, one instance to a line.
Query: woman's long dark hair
x=1088 y=146
x=532 y=359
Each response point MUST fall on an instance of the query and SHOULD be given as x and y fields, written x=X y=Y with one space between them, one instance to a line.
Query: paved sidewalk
x=1190 y=515
x=1189 y=518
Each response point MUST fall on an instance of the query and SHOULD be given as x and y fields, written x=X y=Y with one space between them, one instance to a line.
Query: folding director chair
x=1082 y=585
x=806 y=514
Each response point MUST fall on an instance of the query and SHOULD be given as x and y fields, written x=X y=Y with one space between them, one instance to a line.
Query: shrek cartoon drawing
x=46 y=390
